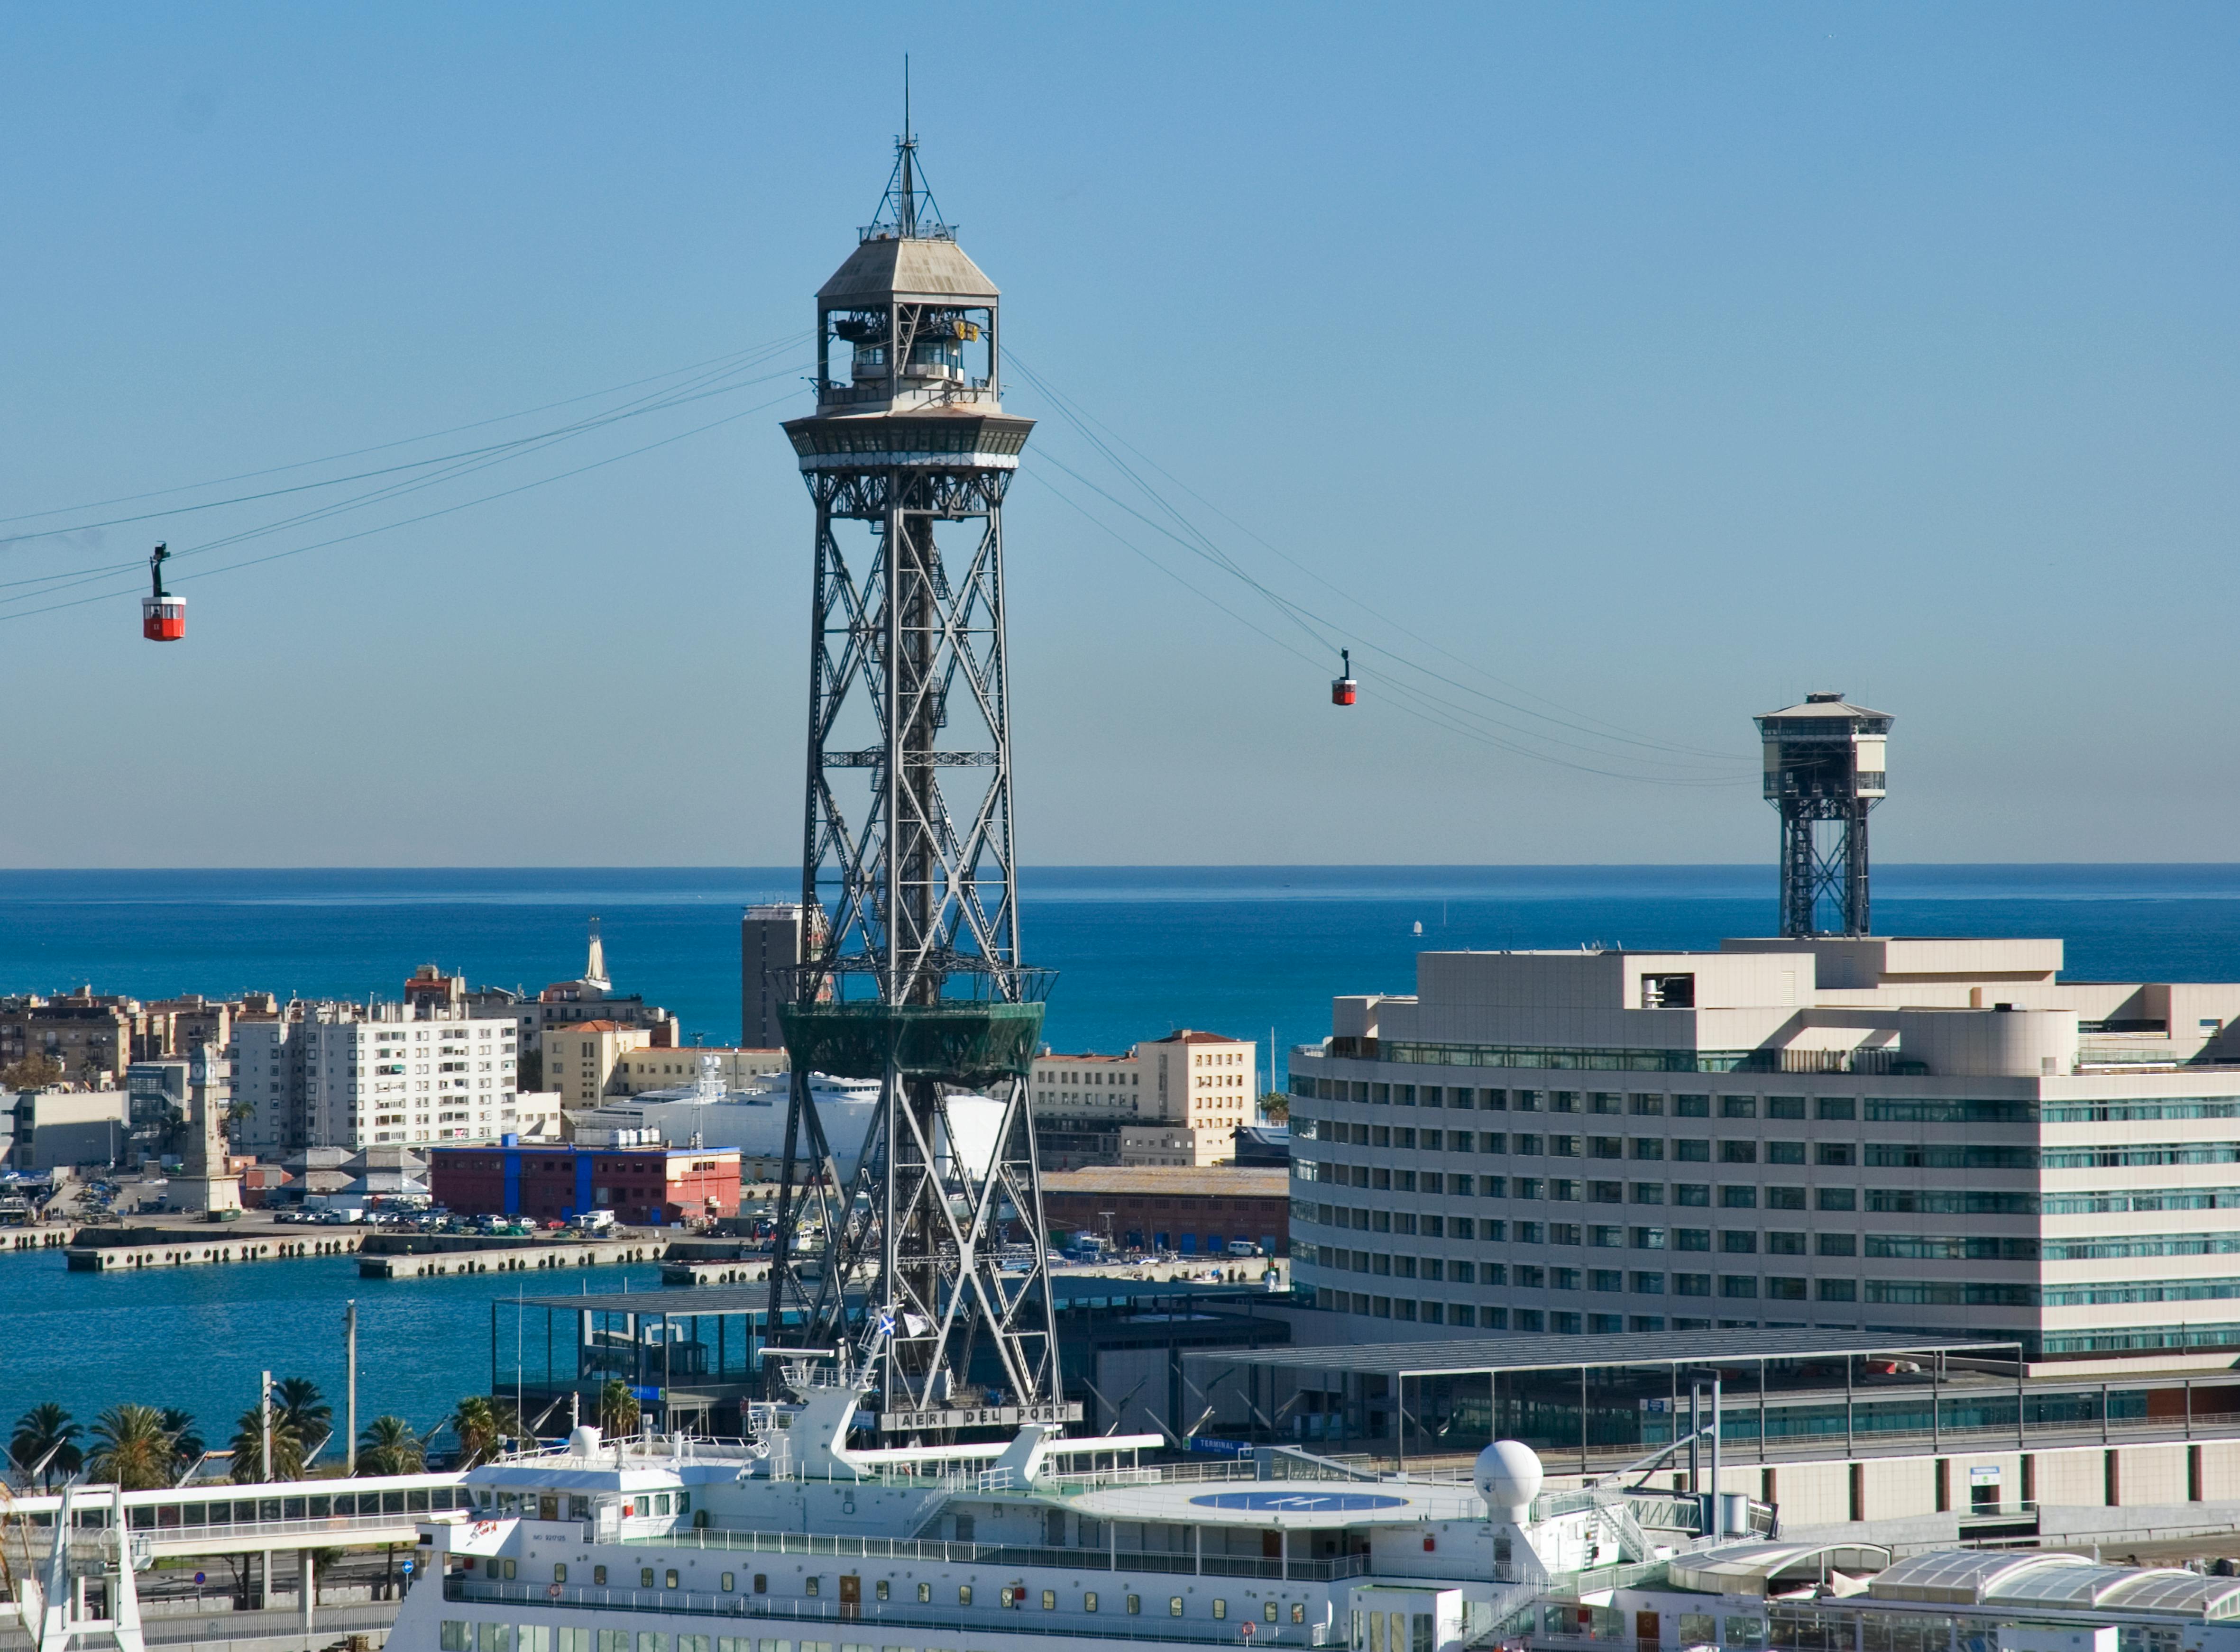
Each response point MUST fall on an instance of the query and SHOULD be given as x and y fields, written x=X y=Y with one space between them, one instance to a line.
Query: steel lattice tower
x=911 y=972
x=1825 y=768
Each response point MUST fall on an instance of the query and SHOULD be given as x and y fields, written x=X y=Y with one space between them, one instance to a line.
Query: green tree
x=133 y=1449
x=617 y=1408
x=386 y=1445
x=43 y=1443
x=1275 y=1106
x=33 y=1072
x=482 y=1426
x=249 y=1467
x=299 y=1400
x=187 y=1444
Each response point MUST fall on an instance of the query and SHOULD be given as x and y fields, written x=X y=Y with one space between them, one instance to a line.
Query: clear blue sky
x=1662 y=362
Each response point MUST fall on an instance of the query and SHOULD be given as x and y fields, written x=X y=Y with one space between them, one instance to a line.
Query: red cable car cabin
x=162 y=617
x=1342 y=690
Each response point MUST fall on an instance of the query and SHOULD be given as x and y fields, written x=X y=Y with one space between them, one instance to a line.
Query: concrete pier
x=526 y=1256
x=159 y=1248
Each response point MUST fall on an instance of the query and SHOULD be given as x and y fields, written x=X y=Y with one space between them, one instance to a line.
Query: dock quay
x=715 y=1261
x=112 y=1250
x=434 y=1255
x=15 y=1239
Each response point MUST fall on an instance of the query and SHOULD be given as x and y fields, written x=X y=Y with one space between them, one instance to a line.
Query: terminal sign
x=980 y=1417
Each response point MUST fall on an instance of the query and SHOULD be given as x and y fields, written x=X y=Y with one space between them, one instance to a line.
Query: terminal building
x=1841 y=1133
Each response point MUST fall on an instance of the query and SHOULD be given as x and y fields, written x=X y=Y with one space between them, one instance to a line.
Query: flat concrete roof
x=1471 y=1356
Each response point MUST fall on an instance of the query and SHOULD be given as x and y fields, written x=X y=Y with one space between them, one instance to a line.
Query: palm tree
x=617 y=1408
x=248 y=1466
x=481 y=1425
x=187 y=1446
x=389 y=1446
x=299 y=1400
x=42 y=1444
x=134 y=1449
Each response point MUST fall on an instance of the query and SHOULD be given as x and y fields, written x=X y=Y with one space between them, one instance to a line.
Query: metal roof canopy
x=1477 y=1357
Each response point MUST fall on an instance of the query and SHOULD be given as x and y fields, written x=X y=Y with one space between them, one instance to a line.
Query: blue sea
x=1248 y=951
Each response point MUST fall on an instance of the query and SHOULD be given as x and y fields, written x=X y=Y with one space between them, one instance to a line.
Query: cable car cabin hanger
x=162 y=617
x=1342 y=690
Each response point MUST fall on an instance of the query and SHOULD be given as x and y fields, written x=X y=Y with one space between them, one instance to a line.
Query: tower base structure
x=927 y=1283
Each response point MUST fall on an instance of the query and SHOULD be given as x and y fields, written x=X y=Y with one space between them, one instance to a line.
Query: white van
x=594 y=1221
x=1242 y=1248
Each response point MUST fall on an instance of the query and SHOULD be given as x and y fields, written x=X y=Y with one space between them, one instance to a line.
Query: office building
x=1899 y=1136
x=580 y=1058
x=636 y=1071
x=647 y=1186
x=59 y=1129
x=770 y=939
x=1175 y=1101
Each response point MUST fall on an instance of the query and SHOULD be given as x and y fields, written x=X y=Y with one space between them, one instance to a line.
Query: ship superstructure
x=792 y=1542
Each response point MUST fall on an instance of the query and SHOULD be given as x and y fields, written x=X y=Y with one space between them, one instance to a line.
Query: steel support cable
x=1080 y=419
x=464 y=504
x=1440 y=714
x=57 y=582
x=651 y=403
x=1284 y=605
x=760 y=351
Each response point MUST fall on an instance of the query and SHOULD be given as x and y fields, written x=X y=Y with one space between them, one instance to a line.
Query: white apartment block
x=1882 y=1135
x=272 y=1058
x=391 y=1080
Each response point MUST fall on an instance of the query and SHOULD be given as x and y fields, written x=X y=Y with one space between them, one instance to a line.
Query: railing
x=1008 y=1554
x=1006 y=1621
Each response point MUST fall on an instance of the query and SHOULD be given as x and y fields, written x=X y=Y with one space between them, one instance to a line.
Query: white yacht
x=795 y=1543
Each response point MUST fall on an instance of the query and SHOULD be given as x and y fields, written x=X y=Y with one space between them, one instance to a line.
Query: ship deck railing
x=838 y=1621
x=1328 y=1570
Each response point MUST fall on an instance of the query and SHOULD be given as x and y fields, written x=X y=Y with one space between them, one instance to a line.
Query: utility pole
x=349 y=1356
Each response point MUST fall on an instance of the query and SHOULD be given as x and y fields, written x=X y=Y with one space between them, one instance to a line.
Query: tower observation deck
x=911 y=973
x=1825 y=768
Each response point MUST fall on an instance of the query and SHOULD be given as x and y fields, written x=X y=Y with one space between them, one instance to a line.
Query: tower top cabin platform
x=909 y=360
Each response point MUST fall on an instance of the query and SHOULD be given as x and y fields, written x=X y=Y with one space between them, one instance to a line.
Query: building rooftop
x=1478 y=1355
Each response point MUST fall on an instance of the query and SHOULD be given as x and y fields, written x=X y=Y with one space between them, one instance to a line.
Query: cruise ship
x=794 y=1542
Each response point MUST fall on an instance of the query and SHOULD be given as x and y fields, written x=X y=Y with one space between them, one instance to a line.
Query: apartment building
x=391 y=1080
x=581 y=1056
x=89 y=1035
x=1896 y=1135
x=1170 y=1102
x=590 y=997
x=274 y=1057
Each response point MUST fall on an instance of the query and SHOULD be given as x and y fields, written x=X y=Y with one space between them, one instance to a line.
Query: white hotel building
x=1913 y=1135
x=394 y=1080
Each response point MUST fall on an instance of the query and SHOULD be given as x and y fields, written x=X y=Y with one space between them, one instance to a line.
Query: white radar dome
x=1508 y=1477
x=583 y=1442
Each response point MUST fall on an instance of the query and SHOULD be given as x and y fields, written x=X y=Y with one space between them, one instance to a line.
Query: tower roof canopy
x=922 y=271
x=1824 y=705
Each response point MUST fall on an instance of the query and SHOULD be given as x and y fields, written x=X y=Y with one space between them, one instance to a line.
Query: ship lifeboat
x=162 y=617
x=1343 y=687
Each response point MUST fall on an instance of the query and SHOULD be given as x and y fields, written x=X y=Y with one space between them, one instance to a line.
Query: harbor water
x=1139 y=951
